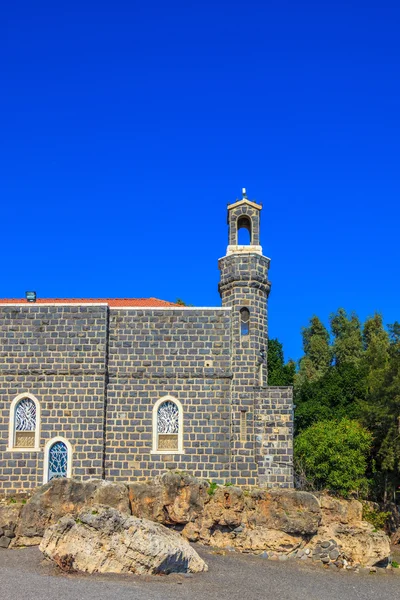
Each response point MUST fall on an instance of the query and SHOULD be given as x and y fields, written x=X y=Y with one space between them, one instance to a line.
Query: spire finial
x=244 y=193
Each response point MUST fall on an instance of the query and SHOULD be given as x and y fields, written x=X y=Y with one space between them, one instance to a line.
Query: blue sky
x=127 y=127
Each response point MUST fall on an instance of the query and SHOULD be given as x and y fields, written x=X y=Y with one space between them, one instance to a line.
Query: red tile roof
x=145 y=302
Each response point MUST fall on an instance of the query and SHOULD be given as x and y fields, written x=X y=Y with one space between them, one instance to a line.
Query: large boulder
x=290 y=511
x=359 y=542
x=60 y=497
x=338 y=510
x=104 y=540
x=173 y=498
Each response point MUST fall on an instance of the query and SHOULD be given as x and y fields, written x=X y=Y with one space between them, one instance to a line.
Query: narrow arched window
x=167 y=426
x=244 y=321
x=24 y=423
x=244 y=231
x=57 y=459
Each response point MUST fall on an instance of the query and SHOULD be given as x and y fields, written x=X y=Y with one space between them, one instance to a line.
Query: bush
x=377 y=518
x=333 y=454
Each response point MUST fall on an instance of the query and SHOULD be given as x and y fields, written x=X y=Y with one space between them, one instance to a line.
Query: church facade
x=127 y=389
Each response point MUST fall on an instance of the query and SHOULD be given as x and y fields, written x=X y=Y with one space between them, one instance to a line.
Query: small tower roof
x=244 y=200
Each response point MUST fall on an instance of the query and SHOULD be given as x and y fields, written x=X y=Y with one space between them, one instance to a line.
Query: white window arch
x=24 y=424
x=57 y=459
x=168 y=426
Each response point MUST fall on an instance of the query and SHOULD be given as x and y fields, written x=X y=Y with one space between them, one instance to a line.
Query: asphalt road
x=25 y=576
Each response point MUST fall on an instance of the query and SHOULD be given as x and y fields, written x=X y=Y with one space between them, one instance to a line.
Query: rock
x=191 y=532
x=358 y=542
x=9 y=515
x=104 y=540
x=325 y=559
x=290 y=511
x=9 y=533
x=335 y=510
x=325 y=544
x=269 y=540
x=65 y=496
x=5 y=542
x=171 y=498
x=334 y=554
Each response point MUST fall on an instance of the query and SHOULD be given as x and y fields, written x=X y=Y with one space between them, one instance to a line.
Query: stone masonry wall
x=56 y=353
x=274 y=436
x=184 y=353
x=244 y=283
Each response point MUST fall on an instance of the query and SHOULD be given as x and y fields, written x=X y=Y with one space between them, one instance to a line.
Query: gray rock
x=60 y=497
x=325 y=559
x=334 y=554
x=325 y=544
x=104 y=540
x=9 y=533
x=300 y=553
x=4 y=542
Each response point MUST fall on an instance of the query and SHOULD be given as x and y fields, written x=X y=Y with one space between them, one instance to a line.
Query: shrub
x=377 y=518
x=333 y=454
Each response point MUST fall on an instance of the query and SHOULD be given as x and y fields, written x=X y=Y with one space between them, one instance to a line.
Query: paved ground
x=25 y=576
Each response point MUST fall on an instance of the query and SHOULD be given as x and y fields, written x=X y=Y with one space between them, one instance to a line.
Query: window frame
x=156 y=406
x=11 y=432
x=47 y=449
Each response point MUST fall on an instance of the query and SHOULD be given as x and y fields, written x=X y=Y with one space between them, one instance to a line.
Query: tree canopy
x=347 y=388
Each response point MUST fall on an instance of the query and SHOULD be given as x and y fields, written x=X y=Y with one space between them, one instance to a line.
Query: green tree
x=347 y=342
x=377 y=351
x=279 y=373
x=335 y=395
x=317 y=352
x=380 y=412
x=334 y=455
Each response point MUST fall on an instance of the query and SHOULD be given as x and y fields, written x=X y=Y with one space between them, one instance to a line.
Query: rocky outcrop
x=65 y=496
x=103 y=540
x=277 y=522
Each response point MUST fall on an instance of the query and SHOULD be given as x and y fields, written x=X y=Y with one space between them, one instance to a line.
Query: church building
x=126 y=389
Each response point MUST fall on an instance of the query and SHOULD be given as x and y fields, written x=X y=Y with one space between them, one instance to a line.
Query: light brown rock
x=290 y=511
x=269 y=540
x=336 y=510
x=103 y=540
x=359 y=542
x=65 y=496
x=173 y=498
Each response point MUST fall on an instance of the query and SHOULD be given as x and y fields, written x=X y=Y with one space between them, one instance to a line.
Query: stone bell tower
x=244 y=286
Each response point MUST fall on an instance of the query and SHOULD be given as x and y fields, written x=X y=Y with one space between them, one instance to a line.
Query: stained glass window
x=167 y=426
x=25 y=424
x=58 y=460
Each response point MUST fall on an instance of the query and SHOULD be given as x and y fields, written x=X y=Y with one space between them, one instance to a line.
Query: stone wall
x=184 y=353
x=56 y=353
x=274 y=436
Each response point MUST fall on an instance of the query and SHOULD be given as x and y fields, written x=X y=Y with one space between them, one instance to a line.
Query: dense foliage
x=334 y=454
x=347 y=381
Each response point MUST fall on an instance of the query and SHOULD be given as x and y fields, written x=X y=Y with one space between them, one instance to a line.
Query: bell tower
x=244 y=286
